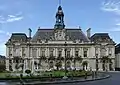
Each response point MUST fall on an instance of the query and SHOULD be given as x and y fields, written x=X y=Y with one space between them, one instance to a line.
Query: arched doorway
x=51 y=65
x=68 y=65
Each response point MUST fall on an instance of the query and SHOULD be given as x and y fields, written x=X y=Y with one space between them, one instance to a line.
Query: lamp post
x=96 y=54
x=96 y=64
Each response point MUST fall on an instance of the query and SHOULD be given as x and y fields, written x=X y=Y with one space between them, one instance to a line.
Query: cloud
x=111 y=6
x=11 y=18
x=118 y=24
x=1 y=31
x=5 y=33
x=117 y=29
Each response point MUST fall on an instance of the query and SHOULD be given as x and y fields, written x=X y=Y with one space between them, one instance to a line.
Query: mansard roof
x=48 y=34
x=101 y=37
x=18 y=37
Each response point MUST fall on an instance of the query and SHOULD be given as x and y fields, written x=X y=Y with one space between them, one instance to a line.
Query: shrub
x=28 y=71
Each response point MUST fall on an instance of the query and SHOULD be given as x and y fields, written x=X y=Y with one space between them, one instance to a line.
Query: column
x=24 y=67
x=82 y=52
x=26 y=62
x=12 y=52
x=7 y=58
x=28 y=53
x=56 y=52
x=39 y=51
x=47 y=52
x=33 y=65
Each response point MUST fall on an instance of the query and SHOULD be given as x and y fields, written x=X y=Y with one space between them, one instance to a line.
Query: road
x=113 y=80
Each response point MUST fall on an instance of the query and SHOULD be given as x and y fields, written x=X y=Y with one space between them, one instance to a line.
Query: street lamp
x=96 y=54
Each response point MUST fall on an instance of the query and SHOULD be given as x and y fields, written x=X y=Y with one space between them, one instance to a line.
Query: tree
x=28 y=71
x=58 y=65
x=2 y=67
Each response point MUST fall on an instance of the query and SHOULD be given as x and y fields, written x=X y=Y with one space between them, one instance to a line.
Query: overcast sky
x=19 y=15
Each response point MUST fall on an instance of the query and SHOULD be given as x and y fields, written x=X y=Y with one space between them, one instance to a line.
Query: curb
x=69 y=81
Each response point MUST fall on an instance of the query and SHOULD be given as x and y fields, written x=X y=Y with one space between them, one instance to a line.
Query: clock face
x=59 y=35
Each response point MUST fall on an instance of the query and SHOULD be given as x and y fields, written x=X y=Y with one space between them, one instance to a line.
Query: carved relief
x=59 y=35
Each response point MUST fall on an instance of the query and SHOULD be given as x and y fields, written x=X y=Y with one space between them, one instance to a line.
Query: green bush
x=28 y=71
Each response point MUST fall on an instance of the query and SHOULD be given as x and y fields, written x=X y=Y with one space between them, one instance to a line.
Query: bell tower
x=59 y=18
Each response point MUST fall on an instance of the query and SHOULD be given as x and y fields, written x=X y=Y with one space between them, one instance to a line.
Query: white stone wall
x=91 y=57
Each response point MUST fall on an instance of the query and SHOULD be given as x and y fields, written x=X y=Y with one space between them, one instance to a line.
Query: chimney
x=88 y=32
x=30 y=32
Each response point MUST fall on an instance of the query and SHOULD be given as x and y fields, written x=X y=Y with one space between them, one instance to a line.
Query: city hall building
x=60 y=48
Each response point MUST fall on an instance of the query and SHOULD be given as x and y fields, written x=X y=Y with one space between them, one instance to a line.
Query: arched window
x=68 y=64
x=51 y=64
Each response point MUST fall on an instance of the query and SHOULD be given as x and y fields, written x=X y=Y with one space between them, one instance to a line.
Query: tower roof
x=60 y=8
x=59 y=18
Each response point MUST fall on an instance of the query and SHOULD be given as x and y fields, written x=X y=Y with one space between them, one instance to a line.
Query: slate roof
x=101 y=37
x=47 y=34
x=18 y=37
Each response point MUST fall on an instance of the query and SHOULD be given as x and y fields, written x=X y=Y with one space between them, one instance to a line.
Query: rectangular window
x=10 y=61
x=10 y=51
x=34 y=52
x=76 y=53
x=103 y=51
x=68 y=53
x=43 y=53
x=23 y=52
x=51 y=53
x=110 y=51
x=59 y=53
x=85 y=53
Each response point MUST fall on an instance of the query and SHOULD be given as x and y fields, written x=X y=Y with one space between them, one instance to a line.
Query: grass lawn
x=3 y=75
x=45 y=74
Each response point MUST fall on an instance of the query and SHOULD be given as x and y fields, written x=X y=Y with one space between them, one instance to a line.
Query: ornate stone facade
x=53 y=48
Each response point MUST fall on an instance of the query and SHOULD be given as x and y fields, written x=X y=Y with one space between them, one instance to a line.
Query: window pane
x=68 y=53
x=85 y=53
x=76 y=53
x=59 y=53
x=51 y=53
x=43 y=53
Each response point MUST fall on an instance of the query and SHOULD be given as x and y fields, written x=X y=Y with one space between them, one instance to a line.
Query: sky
x=19 y=15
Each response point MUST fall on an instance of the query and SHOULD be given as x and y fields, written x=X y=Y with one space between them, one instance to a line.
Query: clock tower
x=59 y=19
x=59 y=31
